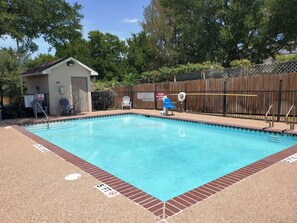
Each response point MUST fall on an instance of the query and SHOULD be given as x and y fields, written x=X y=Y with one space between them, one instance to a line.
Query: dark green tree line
x=221 y=30
x=175 y=32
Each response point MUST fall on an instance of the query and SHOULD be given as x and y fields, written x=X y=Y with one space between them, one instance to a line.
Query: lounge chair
x=126 y=102
x=66 y=108
x=167 y=105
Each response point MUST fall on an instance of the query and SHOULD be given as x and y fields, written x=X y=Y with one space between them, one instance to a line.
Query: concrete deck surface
x=33 y=188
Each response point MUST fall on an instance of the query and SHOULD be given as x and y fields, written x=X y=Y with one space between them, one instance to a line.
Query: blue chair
x=167 y=105
x=66 y=108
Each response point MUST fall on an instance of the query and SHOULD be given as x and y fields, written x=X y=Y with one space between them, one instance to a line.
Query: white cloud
x=127 y=20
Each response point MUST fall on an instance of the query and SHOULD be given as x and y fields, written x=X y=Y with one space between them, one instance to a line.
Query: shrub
x=282 y=58
x=103 y=99
x=167 y=73
x=15 y=109
x=240 y=63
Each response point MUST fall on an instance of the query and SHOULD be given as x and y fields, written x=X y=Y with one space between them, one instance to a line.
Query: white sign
x=108 y=191
x=41 y=148
x=290 y=159
x=148 y=96
x=28 y=100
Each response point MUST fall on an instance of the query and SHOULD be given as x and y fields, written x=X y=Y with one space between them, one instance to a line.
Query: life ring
x=181 y=96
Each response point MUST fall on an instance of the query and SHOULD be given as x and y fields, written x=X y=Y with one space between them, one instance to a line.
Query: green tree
x=139 y=54
x=160 y=25
x=79 y=49
x=196 y=27
x=108 y=55
x=221 y=30
x=184 y=31
x=56 y=21
x=9 y=75
x=103 y=52
x=281 y=20
x=39 y=60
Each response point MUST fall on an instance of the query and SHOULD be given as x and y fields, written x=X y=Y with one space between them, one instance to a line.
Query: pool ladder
x=36 y=103
x=271 y=122
x=292 y=123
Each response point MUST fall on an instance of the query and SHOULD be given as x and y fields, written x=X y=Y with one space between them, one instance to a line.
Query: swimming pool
x=162 y=157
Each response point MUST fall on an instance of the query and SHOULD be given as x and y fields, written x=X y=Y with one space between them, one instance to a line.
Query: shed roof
x=46 y=67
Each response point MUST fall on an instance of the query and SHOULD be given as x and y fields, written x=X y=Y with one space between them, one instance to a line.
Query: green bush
x=16 y=109
x=130 y=80
x=103 y=97
x=240 y=63
x=167 y=73
x=283 y=58
x=103 y=100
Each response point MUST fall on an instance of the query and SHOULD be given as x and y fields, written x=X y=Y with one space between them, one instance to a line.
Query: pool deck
x=33 y=188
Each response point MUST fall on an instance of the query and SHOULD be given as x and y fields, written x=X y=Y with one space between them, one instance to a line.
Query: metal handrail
x=271 y=123
x=47 y=118
x=287 y=118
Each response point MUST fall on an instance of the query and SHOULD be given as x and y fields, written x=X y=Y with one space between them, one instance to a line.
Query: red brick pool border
x=173 y=206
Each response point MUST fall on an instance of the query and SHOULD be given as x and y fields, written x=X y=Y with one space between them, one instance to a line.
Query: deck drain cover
x=73 y=176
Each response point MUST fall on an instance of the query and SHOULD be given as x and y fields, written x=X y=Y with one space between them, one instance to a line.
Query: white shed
x=63 y=78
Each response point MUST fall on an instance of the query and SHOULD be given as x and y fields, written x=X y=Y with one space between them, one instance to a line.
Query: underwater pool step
x=274 y=138
x=52 y=126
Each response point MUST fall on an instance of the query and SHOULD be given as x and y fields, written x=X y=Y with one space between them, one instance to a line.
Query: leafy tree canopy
x=56 y=21
x=221 y=30
x=103 y=52
x=39 y=60
x=9 y=74
x=140 y=54
x=79 y=49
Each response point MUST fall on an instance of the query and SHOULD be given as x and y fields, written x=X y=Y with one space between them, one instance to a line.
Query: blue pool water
x=164 y=158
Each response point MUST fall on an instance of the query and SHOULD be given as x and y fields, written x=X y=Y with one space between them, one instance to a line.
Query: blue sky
x=118 y=17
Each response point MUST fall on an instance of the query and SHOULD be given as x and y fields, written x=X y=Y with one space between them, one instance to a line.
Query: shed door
x=80 y=93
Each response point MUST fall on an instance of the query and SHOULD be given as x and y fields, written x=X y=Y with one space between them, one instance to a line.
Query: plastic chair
x=167 y=105
x=126 y=102
x=66 y=108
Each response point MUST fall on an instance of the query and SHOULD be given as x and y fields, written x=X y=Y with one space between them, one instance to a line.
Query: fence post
x=225 y=98
x=279 y=103
x=104 y=101
x=155 y=96
x=185 y=101
x=131 y=93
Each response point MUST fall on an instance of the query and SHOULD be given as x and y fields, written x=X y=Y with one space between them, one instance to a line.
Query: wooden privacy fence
x=248 y=95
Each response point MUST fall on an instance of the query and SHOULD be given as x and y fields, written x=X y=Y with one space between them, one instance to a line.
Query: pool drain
x=73 y=176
